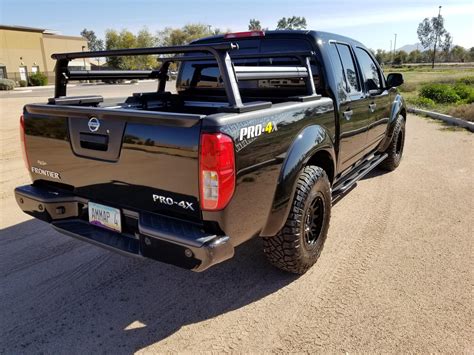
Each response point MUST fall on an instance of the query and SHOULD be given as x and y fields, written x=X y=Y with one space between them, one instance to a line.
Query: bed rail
x=230 y=74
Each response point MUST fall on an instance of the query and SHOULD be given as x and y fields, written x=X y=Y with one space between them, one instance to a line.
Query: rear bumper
x=149 y=235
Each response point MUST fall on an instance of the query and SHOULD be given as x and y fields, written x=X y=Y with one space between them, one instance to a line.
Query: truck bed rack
x=230 y=74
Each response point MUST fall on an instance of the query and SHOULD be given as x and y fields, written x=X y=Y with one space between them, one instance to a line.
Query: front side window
x=371 y=73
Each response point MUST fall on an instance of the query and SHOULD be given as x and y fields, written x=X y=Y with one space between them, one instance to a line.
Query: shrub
x=22 y=83
x=423 y=102
x=6 y=84
x=467 y=80
x=465 y=92
x=38 y=79
x=407 y=87
x=465 y=112
x=439 y=93
x=114 y=81
x=134 y=81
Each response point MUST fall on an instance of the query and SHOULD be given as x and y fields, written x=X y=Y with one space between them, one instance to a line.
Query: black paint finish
x=147 y=151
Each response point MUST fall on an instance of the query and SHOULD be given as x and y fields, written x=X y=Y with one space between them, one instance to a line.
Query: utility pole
x=394 y=46
x=84 y=59
x=436 y=40
x=391 y=53
x=209 y=28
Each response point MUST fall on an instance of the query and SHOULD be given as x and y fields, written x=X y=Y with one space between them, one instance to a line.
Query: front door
x=353 y=116
x=23 y=73
x=377 y=98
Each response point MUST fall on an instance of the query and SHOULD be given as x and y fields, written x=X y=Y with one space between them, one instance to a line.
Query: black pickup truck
x=266 y=130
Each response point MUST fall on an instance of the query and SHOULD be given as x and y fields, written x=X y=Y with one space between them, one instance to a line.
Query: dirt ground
x=396 y=274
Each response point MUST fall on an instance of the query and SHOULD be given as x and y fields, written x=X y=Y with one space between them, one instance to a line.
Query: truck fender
x=398 y=108
x=310 y=140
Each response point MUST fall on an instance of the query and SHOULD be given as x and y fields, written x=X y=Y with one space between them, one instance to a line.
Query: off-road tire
x=395 y=148
x=291 y=249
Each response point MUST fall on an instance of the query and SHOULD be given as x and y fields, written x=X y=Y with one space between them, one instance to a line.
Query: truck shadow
x=375 y=173
x=59 y=293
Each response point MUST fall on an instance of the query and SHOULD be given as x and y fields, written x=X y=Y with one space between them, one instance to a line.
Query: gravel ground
x=396 y=274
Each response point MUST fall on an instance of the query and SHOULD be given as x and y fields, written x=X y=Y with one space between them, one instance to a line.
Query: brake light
x=216 y=171
x=23 y=142
x=245 y=34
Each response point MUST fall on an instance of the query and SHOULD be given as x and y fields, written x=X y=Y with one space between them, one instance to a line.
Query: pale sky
x=372 y=22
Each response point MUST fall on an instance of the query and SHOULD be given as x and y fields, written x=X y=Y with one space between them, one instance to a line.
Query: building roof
x=44 y=31
x=23 y=28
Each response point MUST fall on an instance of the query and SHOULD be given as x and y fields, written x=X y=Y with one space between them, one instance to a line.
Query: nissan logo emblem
x=94 y=124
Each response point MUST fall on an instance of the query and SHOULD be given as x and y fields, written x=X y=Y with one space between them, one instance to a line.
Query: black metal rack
x=230 y=74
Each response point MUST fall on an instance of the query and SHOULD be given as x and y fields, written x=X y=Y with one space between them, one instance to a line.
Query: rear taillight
x=216 y=171
x=244 y=34
x=23 y=142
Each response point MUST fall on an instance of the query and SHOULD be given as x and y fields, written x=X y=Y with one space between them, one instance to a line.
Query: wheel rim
x=313 y=220
x=400 y=140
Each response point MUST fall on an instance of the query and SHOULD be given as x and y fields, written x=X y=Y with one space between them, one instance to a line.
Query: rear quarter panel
x=259 y=159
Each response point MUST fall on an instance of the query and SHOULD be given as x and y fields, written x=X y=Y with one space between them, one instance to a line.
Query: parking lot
x=396 y=273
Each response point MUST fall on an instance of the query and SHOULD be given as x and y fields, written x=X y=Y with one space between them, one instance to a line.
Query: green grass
x=416 y=77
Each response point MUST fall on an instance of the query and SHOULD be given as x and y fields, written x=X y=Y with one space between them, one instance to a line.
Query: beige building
x=26 y=50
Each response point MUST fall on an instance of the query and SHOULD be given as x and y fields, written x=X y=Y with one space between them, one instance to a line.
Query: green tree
x=400 y=57
x=291 y=23
x=446 y=46
x=112 y=41
x=431 y=33
x=180 y=36
x=471 y=54
x=382 y=56
x=184 y=35
x=414 y=56
x=93 y=43
x=126 y=40
x=145 y=39
x=254 y=25
x=217 y=31
x=458 y=54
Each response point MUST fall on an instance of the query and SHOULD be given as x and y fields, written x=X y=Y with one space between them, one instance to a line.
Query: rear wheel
x=395 y=149
x=300 y=242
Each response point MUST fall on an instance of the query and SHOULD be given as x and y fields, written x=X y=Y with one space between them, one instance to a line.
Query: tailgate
x=135 y=159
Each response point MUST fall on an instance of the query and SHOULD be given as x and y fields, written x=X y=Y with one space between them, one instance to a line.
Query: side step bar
x=348 y=182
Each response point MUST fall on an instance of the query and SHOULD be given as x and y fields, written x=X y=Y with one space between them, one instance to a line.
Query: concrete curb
x=446 y=118
x=30 y=88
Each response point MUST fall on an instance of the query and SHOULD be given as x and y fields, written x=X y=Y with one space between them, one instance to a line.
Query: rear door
x=378 y=98
x=353 y=114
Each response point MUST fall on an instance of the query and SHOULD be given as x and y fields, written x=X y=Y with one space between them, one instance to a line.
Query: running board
x=347 y=183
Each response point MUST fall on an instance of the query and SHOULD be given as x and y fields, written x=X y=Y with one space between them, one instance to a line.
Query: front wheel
x=395 y=148
x=300 y=242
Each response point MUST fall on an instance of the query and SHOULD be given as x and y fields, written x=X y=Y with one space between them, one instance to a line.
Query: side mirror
x=394 y=80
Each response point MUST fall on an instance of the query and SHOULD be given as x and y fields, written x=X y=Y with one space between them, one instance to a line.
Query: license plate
x=105 y=217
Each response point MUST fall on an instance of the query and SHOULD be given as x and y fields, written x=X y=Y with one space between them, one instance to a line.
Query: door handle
x=348 y=114
x=372 y=107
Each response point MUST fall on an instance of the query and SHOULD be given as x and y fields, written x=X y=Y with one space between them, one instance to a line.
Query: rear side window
x=372 y=77
x=349 y=68
x=205 y=75
x=338 y=72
